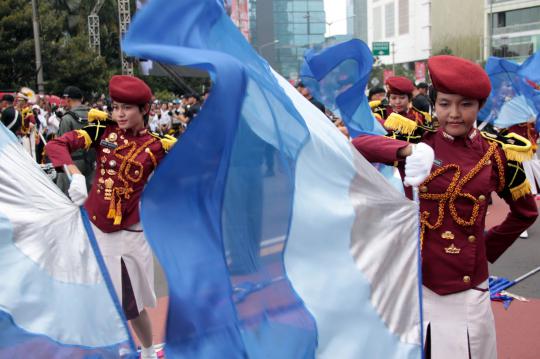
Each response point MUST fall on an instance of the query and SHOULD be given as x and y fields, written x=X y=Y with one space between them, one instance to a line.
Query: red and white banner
x=420 y=71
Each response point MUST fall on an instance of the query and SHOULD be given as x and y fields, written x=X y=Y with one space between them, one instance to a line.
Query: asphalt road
x=520 y=258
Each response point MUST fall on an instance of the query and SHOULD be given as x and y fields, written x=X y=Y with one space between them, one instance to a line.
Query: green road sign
x=381 y=48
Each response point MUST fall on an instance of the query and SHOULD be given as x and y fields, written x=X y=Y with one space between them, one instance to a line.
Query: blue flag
x=337 y=76
x=271 y=228
x=529 y=72
x=54 y=300
x=509 y=102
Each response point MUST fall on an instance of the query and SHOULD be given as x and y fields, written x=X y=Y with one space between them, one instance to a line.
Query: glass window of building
x=377 y=23
x=403 y=16
x=389 y=17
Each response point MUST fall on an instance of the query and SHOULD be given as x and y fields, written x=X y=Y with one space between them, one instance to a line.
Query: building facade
x=512 y=28
x=282 y=30
x=457 y=27
x=357 y=19
x=405 y=24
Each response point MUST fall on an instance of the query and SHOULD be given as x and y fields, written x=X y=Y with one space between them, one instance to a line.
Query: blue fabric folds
x=337 y=76
x=222 y=196
x=510 y=101
x=224 y=216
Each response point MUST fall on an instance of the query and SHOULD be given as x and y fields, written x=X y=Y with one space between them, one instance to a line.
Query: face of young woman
x=456 y=114
x=399 y=103
x=128 y=116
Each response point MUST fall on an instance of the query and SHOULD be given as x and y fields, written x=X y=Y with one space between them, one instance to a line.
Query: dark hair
x=375 y=90
x=422 y=85
x=146 y=116
x=432 y=94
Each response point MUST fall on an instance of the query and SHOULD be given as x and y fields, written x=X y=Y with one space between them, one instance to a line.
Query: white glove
x=77 y=189
x=418 y=164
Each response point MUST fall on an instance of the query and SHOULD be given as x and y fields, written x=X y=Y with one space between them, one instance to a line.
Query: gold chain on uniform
x=115 y=208
x=453 y=192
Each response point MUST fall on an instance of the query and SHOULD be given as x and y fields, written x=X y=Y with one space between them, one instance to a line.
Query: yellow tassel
x=519 y=156
x=396 y=122
x=118 y=216
x=521 y=190
x=86 y=136
x=374 y=104
x=112 y=213
x=98 y=115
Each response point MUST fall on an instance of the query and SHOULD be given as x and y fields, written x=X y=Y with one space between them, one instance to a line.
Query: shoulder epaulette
x=515 y=147
x=401 y=124
x=374 y=104
x=97 y=115
x=167 y=141
x=96 y=129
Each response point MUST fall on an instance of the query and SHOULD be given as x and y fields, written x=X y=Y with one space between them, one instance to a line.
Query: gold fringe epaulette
x=516 y=148
x=167 y=141
x=97 y=115
x=374 y=104
x=396 y=122
x=521 y=190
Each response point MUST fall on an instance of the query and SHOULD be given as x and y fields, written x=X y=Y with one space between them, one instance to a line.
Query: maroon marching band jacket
x=124 y=162
x=453 y=206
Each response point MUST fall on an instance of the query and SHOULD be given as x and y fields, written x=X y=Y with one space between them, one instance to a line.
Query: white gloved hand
x=77 y=189
x=418 y=164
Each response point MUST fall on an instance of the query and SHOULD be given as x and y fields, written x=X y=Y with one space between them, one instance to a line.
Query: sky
x=336 y=17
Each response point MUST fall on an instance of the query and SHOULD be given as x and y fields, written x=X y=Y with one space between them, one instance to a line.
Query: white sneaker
x=524 y=235
x=148 y=353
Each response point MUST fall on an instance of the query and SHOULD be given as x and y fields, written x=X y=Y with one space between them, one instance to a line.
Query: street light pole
x=37 y=46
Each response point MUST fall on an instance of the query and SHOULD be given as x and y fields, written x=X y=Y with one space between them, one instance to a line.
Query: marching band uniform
x=453 y=206
x=27 y=132
x=532 y=167
x=399 y=123
x=125 y=161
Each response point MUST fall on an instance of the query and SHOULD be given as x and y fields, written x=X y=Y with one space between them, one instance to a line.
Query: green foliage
x=164 y=95
x=76 y=64
x=67 y=59
x=444 y=51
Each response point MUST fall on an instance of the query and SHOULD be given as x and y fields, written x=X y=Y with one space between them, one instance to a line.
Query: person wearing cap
x=127 y=155
x=376 y=93
x=11 y=117
x=75 y=118
x=397 y=115
x=456 y=169
x=420 y=99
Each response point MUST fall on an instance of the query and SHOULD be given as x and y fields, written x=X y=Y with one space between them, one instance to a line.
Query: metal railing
x=517 y=28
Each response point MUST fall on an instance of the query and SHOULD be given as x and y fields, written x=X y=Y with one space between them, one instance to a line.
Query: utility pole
x=37 y=46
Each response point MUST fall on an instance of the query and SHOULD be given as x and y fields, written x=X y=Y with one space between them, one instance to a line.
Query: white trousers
x=458 y=322
x=132 y=248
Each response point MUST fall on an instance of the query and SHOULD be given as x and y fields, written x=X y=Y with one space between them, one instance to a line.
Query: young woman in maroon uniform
x=126 y=156
x=456 y=169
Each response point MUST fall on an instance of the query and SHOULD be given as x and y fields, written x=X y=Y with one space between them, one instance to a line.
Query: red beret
x=129 y=89
x=399 y=85
x=454 y=75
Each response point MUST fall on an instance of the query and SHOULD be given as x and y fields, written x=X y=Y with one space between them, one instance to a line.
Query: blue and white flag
x=508 y=103
x=54 y=300
x=277 y=238
x=529 y=73
x=337 y=76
